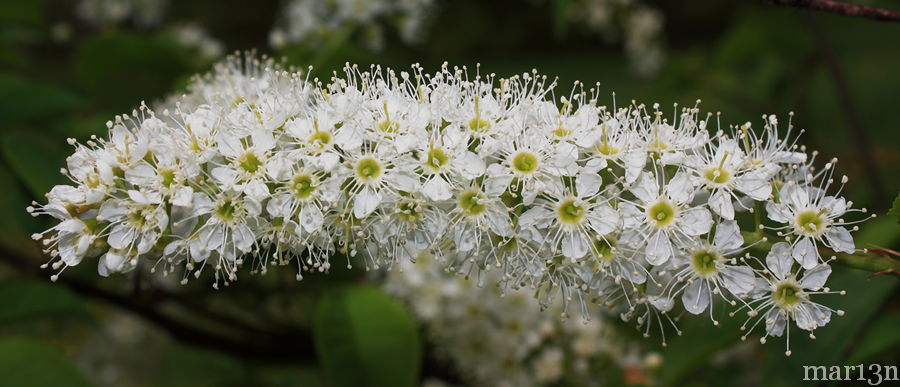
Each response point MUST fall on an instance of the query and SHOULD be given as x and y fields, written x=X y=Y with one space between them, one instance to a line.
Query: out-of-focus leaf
x=22 y=12
x=364 y=338
x=24 y=299
x=184 y=366
x=28 y=362
x=23 y=100
x=123 y=69
x=895 y=209
x=35 y=160
x=700 y=340
x=16 y=225
x=879 y=337
x=287 y=377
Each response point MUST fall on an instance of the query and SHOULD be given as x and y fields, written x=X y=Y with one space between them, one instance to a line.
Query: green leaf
x=895 y=209
x=122 y=69
x=28 y=362
x=16 y=225
x=365 y=338
x=878 y=338
x=36 y=161
x=25 y=299
x=186 y=366
x=23 y=100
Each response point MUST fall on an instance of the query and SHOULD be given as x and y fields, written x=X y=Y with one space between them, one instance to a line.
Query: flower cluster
x=504 y=339
x=259 y=166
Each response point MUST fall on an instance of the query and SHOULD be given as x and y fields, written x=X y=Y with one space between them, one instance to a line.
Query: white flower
x=786 y=296
x=705 y=272
x=664 y=215
x=813 y=218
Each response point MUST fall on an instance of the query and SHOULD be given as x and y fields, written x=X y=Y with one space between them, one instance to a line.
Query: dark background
x=839 y=75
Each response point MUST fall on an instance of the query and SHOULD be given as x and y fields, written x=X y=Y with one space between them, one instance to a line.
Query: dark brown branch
x=294 y=348
x=842 y=8
x=851 y=112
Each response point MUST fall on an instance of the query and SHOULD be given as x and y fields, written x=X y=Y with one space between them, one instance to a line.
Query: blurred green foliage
x=740 y=58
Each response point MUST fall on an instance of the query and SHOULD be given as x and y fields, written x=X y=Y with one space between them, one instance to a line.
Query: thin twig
x=842 y=8
x=851 y=111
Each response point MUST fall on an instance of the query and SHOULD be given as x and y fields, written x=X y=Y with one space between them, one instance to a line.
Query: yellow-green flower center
x=303 y=186
x=249 y=162
x=389 y=126
x=436 y=159
x=368 y=169
x=139 y=217
x=606 y=149
x=787 y=294
x=320 y=138
x=605 y=249
x=525 y=163
x=810 y=222
x=168 y=177
x=718 y=175
x=662 y=213
x=226 y=210
x=479 y=125
x=562 y=132
x=409 y=211
x=470 y=203
x=570 y=212
x=704 y=262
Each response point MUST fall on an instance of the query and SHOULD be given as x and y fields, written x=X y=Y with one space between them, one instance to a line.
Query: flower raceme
x=260 y=166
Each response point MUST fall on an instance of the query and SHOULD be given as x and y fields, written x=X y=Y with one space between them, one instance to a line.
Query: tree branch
x=842 y=8
x=851 y=111
x=294 y=347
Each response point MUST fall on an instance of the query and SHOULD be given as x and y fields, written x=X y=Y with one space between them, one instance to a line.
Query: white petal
x=121 y=236
x=111 y=210
x=437 y=189
x=472 y=165
x=645 y=188
x=779 y=212
x=574 y=245
x=659 y=248
x=405 y=182
x=662 y=303
x=814 y=279
x=696 y=221
x=728 y=236
x=755 y=185
x=680 y=188
x=805 y=253
x=588 y=184
x=779 y=259
x=604 y=219
x=840 y=239
x=775 y=323
x=695 y=297
x=720 y=202
x=365 y=202
x=243 y=238
x=739 y=280
x=311 y=218
x=140 y=174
